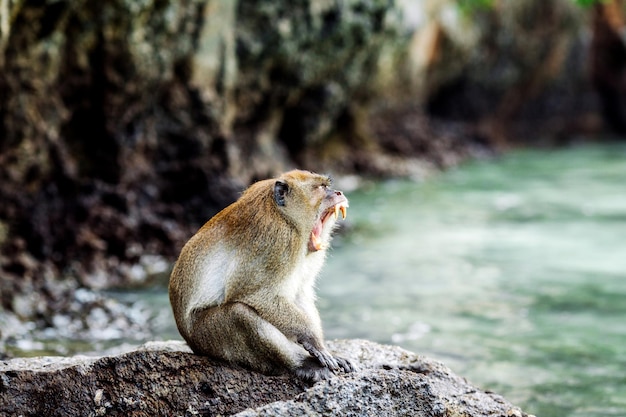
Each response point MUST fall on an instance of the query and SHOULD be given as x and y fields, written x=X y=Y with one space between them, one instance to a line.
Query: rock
x=165 y=378
x=608 y=62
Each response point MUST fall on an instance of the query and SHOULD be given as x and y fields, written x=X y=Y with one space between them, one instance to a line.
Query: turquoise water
x=512 y=272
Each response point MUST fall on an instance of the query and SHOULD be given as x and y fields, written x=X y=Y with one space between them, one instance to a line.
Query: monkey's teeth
x=336 y=212
x=315 y=243
x=343 y=212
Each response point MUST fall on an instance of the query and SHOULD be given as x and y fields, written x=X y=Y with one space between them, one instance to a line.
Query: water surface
x=512 y=272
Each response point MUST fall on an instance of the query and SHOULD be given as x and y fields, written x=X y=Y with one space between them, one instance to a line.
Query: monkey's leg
x=237 y=334
x=294 y=323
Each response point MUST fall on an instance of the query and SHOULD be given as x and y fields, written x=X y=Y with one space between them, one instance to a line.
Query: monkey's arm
x=295 y=325
x=307 y=305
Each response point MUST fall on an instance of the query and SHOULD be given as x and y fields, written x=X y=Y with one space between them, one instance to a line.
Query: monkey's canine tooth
x=343 y=212
x=315 y=241
x=336 y=212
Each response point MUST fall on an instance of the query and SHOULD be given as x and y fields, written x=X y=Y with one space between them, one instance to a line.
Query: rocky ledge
x=166 y=379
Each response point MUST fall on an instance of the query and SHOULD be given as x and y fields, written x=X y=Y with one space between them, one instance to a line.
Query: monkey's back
x=233 y=253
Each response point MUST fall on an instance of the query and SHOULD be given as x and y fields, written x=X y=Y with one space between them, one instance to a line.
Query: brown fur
x=242 y=288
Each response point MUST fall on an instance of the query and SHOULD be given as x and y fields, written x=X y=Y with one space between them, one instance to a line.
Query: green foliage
x=588 y=3
x=470 y=6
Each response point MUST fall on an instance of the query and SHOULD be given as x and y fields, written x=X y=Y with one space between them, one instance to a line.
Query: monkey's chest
x=302 y=277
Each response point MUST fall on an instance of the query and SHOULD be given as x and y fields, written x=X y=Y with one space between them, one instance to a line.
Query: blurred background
x=482 y=144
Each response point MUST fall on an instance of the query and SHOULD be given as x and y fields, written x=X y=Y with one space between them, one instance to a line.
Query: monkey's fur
x=242 y=289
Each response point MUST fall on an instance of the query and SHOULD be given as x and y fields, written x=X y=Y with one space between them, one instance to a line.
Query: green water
x=512 y=272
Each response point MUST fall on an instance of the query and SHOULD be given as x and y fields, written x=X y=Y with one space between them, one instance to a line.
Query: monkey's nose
x=338 y=193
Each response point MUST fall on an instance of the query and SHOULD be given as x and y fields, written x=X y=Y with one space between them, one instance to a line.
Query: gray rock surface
x=165 y=378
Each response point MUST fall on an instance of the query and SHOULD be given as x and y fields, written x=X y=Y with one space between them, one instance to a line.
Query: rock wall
x=125 y=125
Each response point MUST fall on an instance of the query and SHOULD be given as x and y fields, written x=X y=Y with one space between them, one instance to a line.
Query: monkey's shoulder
x=213 y=266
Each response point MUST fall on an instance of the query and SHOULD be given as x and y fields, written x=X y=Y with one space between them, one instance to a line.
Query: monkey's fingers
x=323 y=356
x=326 y=359
x=346 y=365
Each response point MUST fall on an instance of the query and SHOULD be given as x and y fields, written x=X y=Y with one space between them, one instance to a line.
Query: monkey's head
x=307 y=201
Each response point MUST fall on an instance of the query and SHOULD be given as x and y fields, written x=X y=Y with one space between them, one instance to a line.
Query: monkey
x=242 y=289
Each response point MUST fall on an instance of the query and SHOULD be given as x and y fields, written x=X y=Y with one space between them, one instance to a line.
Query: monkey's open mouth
x=316 y=242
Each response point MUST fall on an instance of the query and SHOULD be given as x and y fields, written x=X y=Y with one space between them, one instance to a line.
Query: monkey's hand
x=319 y=352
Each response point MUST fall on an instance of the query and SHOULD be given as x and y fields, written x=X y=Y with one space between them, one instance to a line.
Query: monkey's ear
x=280 y=191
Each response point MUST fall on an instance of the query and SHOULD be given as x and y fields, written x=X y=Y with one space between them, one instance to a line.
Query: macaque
x=242 y=289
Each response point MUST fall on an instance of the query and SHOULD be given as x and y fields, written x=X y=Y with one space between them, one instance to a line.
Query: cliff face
x=125 y=125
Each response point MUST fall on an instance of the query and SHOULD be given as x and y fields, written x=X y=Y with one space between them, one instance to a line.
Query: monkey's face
x=311 y=203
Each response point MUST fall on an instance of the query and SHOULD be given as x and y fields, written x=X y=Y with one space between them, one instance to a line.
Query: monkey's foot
x=312 y=371
x=345 y=364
